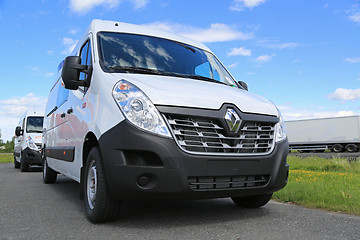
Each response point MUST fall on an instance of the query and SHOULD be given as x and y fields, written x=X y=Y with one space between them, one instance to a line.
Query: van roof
x=98 y=25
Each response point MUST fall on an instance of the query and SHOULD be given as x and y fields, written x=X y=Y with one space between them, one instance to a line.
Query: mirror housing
x=71 y=72
x=18 y=131
x=243 y=85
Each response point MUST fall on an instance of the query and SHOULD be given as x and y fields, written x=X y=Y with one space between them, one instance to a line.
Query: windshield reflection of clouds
x=136 y=60
x=139 y=51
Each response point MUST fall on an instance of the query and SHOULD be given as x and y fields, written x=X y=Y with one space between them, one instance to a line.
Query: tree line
x=8 y=146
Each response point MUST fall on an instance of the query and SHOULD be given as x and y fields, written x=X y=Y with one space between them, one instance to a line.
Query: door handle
x=62 y=115
x=70 y=110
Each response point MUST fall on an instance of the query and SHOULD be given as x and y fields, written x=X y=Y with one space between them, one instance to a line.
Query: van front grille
x=229 y=182
x=206 y=135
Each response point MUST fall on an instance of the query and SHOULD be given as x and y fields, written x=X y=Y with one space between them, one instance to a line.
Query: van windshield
x=34 y=124
x=121 y=52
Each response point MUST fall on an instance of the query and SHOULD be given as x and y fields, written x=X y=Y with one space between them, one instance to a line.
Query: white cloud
x=140 y=4
x=233 y=65
x=217 y=32
x=352 y=60
x=264 y=58
x=84 y=6
x=345 y=94
x=69 y=44
x=276 y=45
x=41 y=71
x=290 y=113
x=13 y=108
x=239 y=51
x=354 y=13
x=73 y=31
x=240 y=5
x=355 y=17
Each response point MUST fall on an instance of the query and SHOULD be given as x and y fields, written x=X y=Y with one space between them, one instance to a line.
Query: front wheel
x=16 y=163
x=49 y=175
x=252 y=201
x=24 y=165
x=100 y=206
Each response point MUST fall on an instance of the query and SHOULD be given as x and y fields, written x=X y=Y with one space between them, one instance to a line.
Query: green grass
x=6 y=158
x=331 y=184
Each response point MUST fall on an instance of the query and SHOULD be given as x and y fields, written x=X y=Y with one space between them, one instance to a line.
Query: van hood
x=186 y=92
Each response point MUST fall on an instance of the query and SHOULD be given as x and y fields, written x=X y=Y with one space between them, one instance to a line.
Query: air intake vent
x=232 y=182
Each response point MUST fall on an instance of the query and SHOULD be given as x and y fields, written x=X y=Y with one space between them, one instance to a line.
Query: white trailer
x=337 y=134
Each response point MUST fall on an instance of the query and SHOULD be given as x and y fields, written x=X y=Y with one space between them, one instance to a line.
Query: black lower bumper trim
x=31 y=156
x=165 y=171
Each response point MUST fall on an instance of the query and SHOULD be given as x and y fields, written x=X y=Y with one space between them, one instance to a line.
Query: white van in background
x=137 y=113
x=28 y=140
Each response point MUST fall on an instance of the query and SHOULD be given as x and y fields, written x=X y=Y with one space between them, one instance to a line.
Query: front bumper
x=139 y=164
x=31 y=156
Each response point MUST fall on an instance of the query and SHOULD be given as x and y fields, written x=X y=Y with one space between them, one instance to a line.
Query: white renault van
x=28 y=140
x=136 y=113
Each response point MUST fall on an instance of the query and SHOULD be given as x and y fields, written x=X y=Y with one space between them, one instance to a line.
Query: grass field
x=6 y=158
x=331 y=184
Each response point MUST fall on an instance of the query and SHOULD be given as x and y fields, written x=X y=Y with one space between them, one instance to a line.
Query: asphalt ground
x=30 y=209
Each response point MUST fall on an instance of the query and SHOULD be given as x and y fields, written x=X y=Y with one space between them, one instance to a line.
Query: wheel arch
x=90 y=141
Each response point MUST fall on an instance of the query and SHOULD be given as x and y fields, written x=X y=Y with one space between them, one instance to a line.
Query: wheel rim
x=91 y=185
x=45 y=169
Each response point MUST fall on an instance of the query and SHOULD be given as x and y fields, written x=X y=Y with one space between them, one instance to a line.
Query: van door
x=78 y=113
x=17 y=143
x=56 y=126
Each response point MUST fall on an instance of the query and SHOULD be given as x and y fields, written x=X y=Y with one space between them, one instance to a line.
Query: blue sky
x=302 y=55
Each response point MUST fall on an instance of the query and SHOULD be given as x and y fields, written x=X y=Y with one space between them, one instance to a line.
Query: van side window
x=85 y=54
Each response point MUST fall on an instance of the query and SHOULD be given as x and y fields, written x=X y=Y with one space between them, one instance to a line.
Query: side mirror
x=243 y=85
x=18 y=131
x=71 y=72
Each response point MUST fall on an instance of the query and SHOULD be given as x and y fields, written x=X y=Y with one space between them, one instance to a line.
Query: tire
x=24 y=165
x=16 y=163
x=337 y=148
x=351 y=148
x=252 y=201
x=49 y=175
x=100 y=206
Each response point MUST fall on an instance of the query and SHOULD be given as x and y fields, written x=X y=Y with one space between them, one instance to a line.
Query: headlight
x=138 y=108
x=280 y=129
x=31 y=144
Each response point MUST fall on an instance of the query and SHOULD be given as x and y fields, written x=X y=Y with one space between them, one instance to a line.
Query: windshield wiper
x=136 y=70
x=156 y=72
x=198 y=77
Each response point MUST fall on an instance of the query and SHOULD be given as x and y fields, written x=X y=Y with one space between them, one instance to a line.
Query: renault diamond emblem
x=232 y=120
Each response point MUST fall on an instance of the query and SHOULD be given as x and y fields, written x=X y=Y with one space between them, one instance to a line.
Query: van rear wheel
x=100 y=206
x=252 y=201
